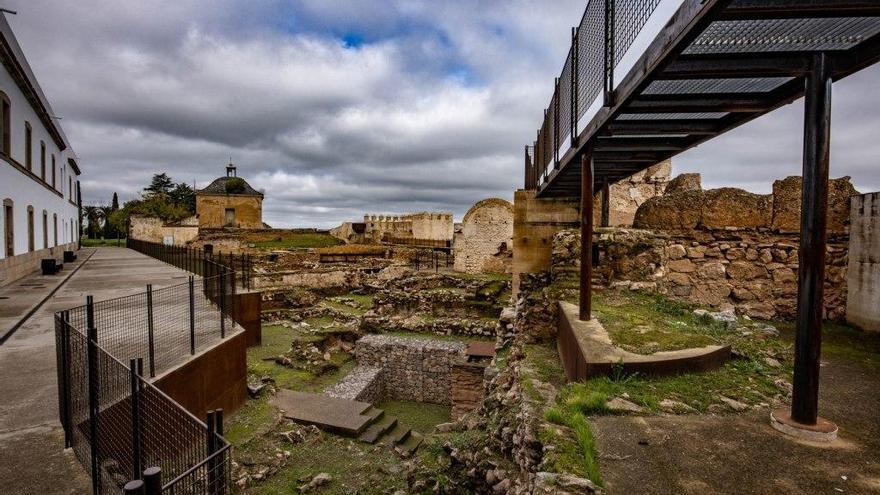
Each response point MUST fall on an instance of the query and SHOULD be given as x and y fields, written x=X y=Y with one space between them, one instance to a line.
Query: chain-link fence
x=115 y=420
x=606 y=31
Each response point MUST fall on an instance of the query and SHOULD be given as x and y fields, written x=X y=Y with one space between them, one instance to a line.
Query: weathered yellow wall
x=153 y=229
x=535 y=222
x=211 y=210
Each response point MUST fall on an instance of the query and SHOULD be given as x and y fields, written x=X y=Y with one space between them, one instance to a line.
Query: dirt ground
x=742 y=454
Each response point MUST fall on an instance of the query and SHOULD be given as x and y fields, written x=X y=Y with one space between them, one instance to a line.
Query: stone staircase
x=349 y=418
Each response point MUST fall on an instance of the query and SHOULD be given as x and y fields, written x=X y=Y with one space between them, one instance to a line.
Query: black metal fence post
x=94 y=393
x=192 y=316
x=150 y=331
x=153 y=481
x=211 y=448
x=136 y=453
x=133 y=487
x=220 y=477
x=64 y=399
x=222 y=303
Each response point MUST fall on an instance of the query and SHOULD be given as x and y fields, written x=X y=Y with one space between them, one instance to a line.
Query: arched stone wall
x=485 y=242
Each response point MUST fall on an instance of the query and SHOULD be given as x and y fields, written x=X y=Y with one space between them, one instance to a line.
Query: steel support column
x=606 y=205
x=586 y=275
x=811 y=261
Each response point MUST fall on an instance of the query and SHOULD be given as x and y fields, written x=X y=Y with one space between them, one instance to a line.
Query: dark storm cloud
x=336 y=108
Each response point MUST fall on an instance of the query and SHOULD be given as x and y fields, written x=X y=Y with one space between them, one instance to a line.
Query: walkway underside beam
x=691 y=102
x=707 y=127
x=797 y=9
x=730 y=65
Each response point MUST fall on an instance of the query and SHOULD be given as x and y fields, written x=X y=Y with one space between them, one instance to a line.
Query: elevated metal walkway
x=647 y=79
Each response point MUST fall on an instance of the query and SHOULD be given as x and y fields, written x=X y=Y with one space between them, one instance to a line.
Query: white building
x=39 y=185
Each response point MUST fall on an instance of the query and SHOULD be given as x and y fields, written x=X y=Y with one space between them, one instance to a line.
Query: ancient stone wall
x=751 y=271
x=485 y=243
x=686 y=206
x=422 y=225
x=154 y=229
x=625 y=196
x=863 y=276
x=466 y=388
x=412 y=368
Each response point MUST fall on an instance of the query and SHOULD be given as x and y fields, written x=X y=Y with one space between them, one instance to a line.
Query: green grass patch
x=352 y=304
x=85 y=242
x=299 y=241
x=649 y=323
x=276 y=341
x=843 y=342
x=355 y=467
x=419 y=416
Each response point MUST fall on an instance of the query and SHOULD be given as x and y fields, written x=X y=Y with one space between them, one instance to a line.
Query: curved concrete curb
x=587 y=351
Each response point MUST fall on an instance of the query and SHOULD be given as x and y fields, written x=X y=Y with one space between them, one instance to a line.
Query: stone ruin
x=413 y=369
x=485 y=242
x=725 y=248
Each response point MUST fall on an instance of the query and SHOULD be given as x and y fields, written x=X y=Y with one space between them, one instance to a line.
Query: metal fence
x=607 y=30
x=198 y=261
x=115 y=420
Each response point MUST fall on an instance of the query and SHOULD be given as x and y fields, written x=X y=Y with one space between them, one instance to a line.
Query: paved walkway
x=32 y=459
x=742 y=454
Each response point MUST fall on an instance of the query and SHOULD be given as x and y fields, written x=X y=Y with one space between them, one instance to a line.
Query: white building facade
x=39 y=173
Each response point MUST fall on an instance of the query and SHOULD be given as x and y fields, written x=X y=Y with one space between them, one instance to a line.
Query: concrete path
x=742 y=454
x=31 y=442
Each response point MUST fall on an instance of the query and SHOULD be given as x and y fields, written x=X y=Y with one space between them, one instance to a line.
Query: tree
x=93 y=215
x=183 y=196
x=110 y=230
x=160 y=184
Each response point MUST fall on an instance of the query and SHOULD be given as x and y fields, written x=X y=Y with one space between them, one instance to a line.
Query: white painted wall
x=25 y=190
x=863 y=274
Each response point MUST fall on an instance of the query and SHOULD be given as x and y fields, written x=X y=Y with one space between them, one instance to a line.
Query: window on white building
x=8 y=230
x=5 y=120
x=30 y=221
x=45 y=230
x=43 y=160
x=28 y=146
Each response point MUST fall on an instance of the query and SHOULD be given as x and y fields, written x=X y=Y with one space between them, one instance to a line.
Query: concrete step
x=377 y=429
x=374 y=414
x=410 y=445
x=342 y=416
x=396 y=436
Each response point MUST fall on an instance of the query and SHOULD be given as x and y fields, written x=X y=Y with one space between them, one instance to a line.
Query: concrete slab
x=599 y=355
x=342 y=416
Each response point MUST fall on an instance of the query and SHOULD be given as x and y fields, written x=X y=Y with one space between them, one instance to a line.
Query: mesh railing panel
x=198 y=261
x=565 y=101
x=630 y=16
x=185 y=318
x=591 y=58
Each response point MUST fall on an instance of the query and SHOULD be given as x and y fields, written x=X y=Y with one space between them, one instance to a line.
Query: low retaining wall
x=412 y=368
x=213 y=379
x=21 y=265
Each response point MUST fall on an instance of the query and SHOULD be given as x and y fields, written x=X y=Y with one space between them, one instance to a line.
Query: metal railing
x=421 y=243
x=198 y=261
x=115 y=420
x=607 y=30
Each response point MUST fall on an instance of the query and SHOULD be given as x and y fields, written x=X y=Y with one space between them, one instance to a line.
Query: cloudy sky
x=336 y=108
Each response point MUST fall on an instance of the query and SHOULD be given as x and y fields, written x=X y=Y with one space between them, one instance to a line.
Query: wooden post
x=811 y=259
x=586 y=276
